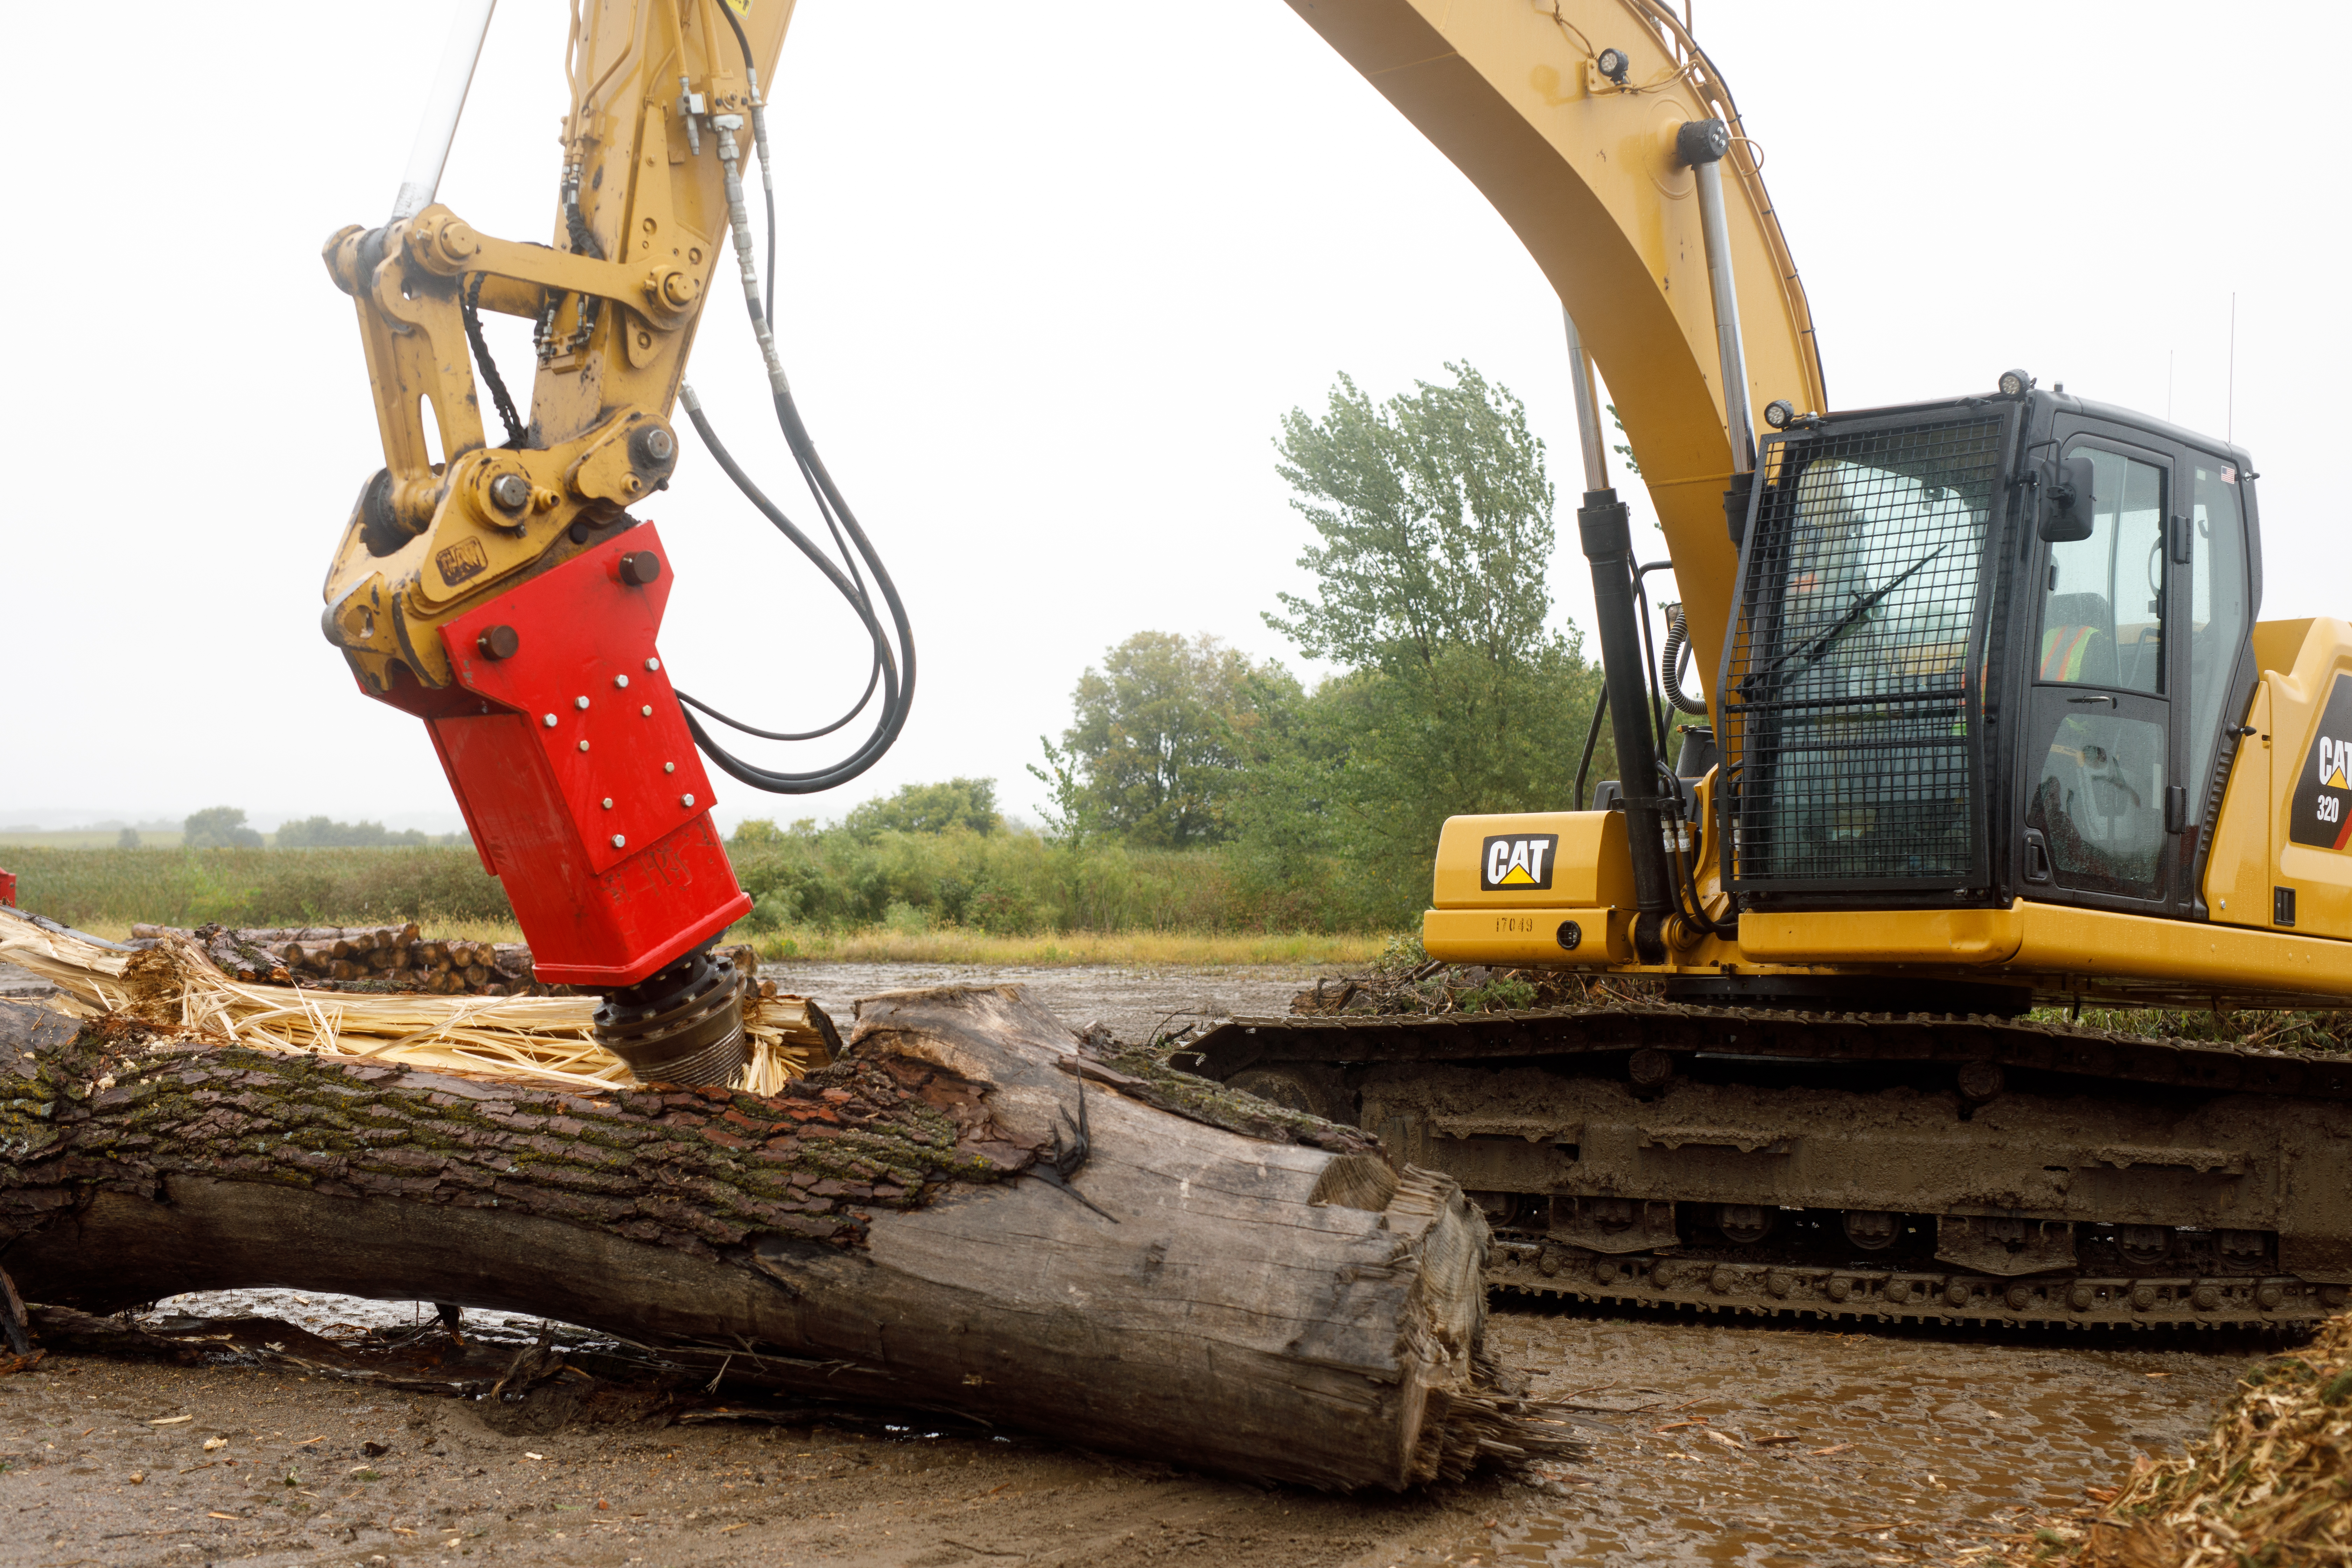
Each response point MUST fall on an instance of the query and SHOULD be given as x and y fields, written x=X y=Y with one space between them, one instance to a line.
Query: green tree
x=1458 y=693
x=127 y=839
x=960 y=803
x=1162 y=735
x=218 y=827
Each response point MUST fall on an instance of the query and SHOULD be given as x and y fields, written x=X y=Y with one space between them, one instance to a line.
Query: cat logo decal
x=2321 y=814
x=1518 y=862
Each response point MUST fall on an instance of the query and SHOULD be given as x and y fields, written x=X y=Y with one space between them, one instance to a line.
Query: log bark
x=937 y=1220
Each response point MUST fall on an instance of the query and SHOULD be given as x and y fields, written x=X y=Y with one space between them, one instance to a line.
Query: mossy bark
x=1163 y=1286
x=119 y=1109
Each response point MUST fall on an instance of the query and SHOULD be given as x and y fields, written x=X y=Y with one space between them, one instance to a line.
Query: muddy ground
x=1713 y=1441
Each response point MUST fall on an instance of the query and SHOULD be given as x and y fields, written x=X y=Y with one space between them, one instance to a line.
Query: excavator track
x=1703 y=1285
x=1928 y=1168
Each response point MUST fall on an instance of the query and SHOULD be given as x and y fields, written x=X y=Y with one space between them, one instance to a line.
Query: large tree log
x=936 y=1220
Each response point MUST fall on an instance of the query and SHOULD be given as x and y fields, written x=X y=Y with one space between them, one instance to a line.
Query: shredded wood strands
x=2269 y=1486
x=550 y=1039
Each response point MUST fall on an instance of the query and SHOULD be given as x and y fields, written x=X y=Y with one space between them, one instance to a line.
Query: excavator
x=1987 y=729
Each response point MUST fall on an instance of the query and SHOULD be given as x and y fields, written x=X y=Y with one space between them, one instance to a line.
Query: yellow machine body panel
x=2286 y=829
x=1533 y=861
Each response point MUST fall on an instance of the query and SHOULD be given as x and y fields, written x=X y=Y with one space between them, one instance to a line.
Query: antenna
x=2229 y=432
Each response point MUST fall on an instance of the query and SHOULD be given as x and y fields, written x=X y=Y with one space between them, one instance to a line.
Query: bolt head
x=622 y=682
x=580 y=703
x=499 y=642
x=686 y=800
x=648 y=711
x=620 y=841
x=653 y=447
x=584 y=745
x=653 y=664
x=511 y=491
x=608 y=803
x=669 y=767
x=549 y=720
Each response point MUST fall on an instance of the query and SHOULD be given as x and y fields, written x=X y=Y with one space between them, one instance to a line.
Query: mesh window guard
x=1851 y=716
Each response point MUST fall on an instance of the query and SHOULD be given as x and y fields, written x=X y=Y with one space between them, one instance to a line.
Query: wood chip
x=1834 y=1449
x=170 y=1420
x=1776 y=1437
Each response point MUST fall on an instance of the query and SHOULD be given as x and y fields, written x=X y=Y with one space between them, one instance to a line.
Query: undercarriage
x=1914 y=1167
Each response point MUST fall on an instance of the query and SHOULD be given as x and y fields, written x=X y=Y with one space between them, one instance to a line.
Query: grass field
x=1139 y=949
x=880 y=945
x=99 y=889
x=105 y=892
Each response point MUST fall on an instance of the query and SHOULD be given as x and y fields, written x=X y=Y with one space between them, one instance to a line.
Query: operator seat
x=2078 y=640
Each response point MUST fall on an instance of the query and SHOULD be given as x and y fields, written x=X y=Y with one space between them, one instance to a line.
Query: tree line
x=1455 y=688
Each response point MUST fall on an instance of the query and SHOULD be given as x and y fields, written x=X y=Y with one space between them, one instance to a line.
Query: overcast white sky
x=1053 y=270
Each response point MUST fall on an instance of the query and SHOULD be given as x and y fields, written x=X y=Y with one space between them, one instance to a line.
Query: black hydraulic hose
x=892 y=672
x=1669 y=782
x=1592 y=735
x=471 y=301
x=894 y=650
x=1605 y=532
x=751 y=76
x=1670 y=663
x=873 y=680
x=1650 y=660
x=898 y=694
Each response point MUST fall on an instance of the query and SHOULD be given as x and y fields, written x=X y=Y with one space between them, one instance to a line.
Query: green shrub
x=1016 y=883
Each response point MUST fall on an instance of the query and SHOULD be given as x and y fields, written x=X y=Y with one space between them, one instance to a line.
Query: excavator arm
x=1570 y=118
x=504 y=591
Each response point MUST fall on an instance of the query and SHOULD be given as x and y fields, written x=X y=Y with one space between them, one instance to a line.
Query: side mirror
x=2067 y=516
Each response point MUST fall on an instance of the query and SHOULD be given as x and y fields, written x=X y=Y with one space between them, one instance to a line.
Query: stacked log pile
x=380 y=958
x=375 y=958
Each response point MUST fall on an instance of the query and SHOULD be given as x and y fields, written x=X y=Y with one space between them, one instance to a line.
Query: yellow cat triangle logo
x=1517 y=876
x=2336 y=779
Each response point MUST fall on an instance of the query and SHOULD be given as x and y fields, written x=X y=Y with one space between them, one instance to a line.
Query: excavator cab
x=1986 y=650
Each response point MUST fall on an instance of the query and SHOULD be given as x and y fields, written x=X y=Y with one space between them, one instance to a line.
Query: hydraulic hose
x=892 y=672
x=1676 y=654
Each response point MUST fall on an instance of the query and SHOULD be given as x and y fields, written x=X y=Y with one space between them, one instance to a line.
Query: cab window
x=2103 y=597
x=2220 y=610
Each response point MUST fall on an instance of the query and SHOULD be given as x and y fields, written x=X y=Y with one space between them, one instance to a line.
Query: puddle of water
x=1763 y=1446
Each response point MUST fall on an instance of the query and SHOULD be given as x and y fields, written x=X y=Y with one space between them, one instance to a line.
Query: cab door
x=2102 y=768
